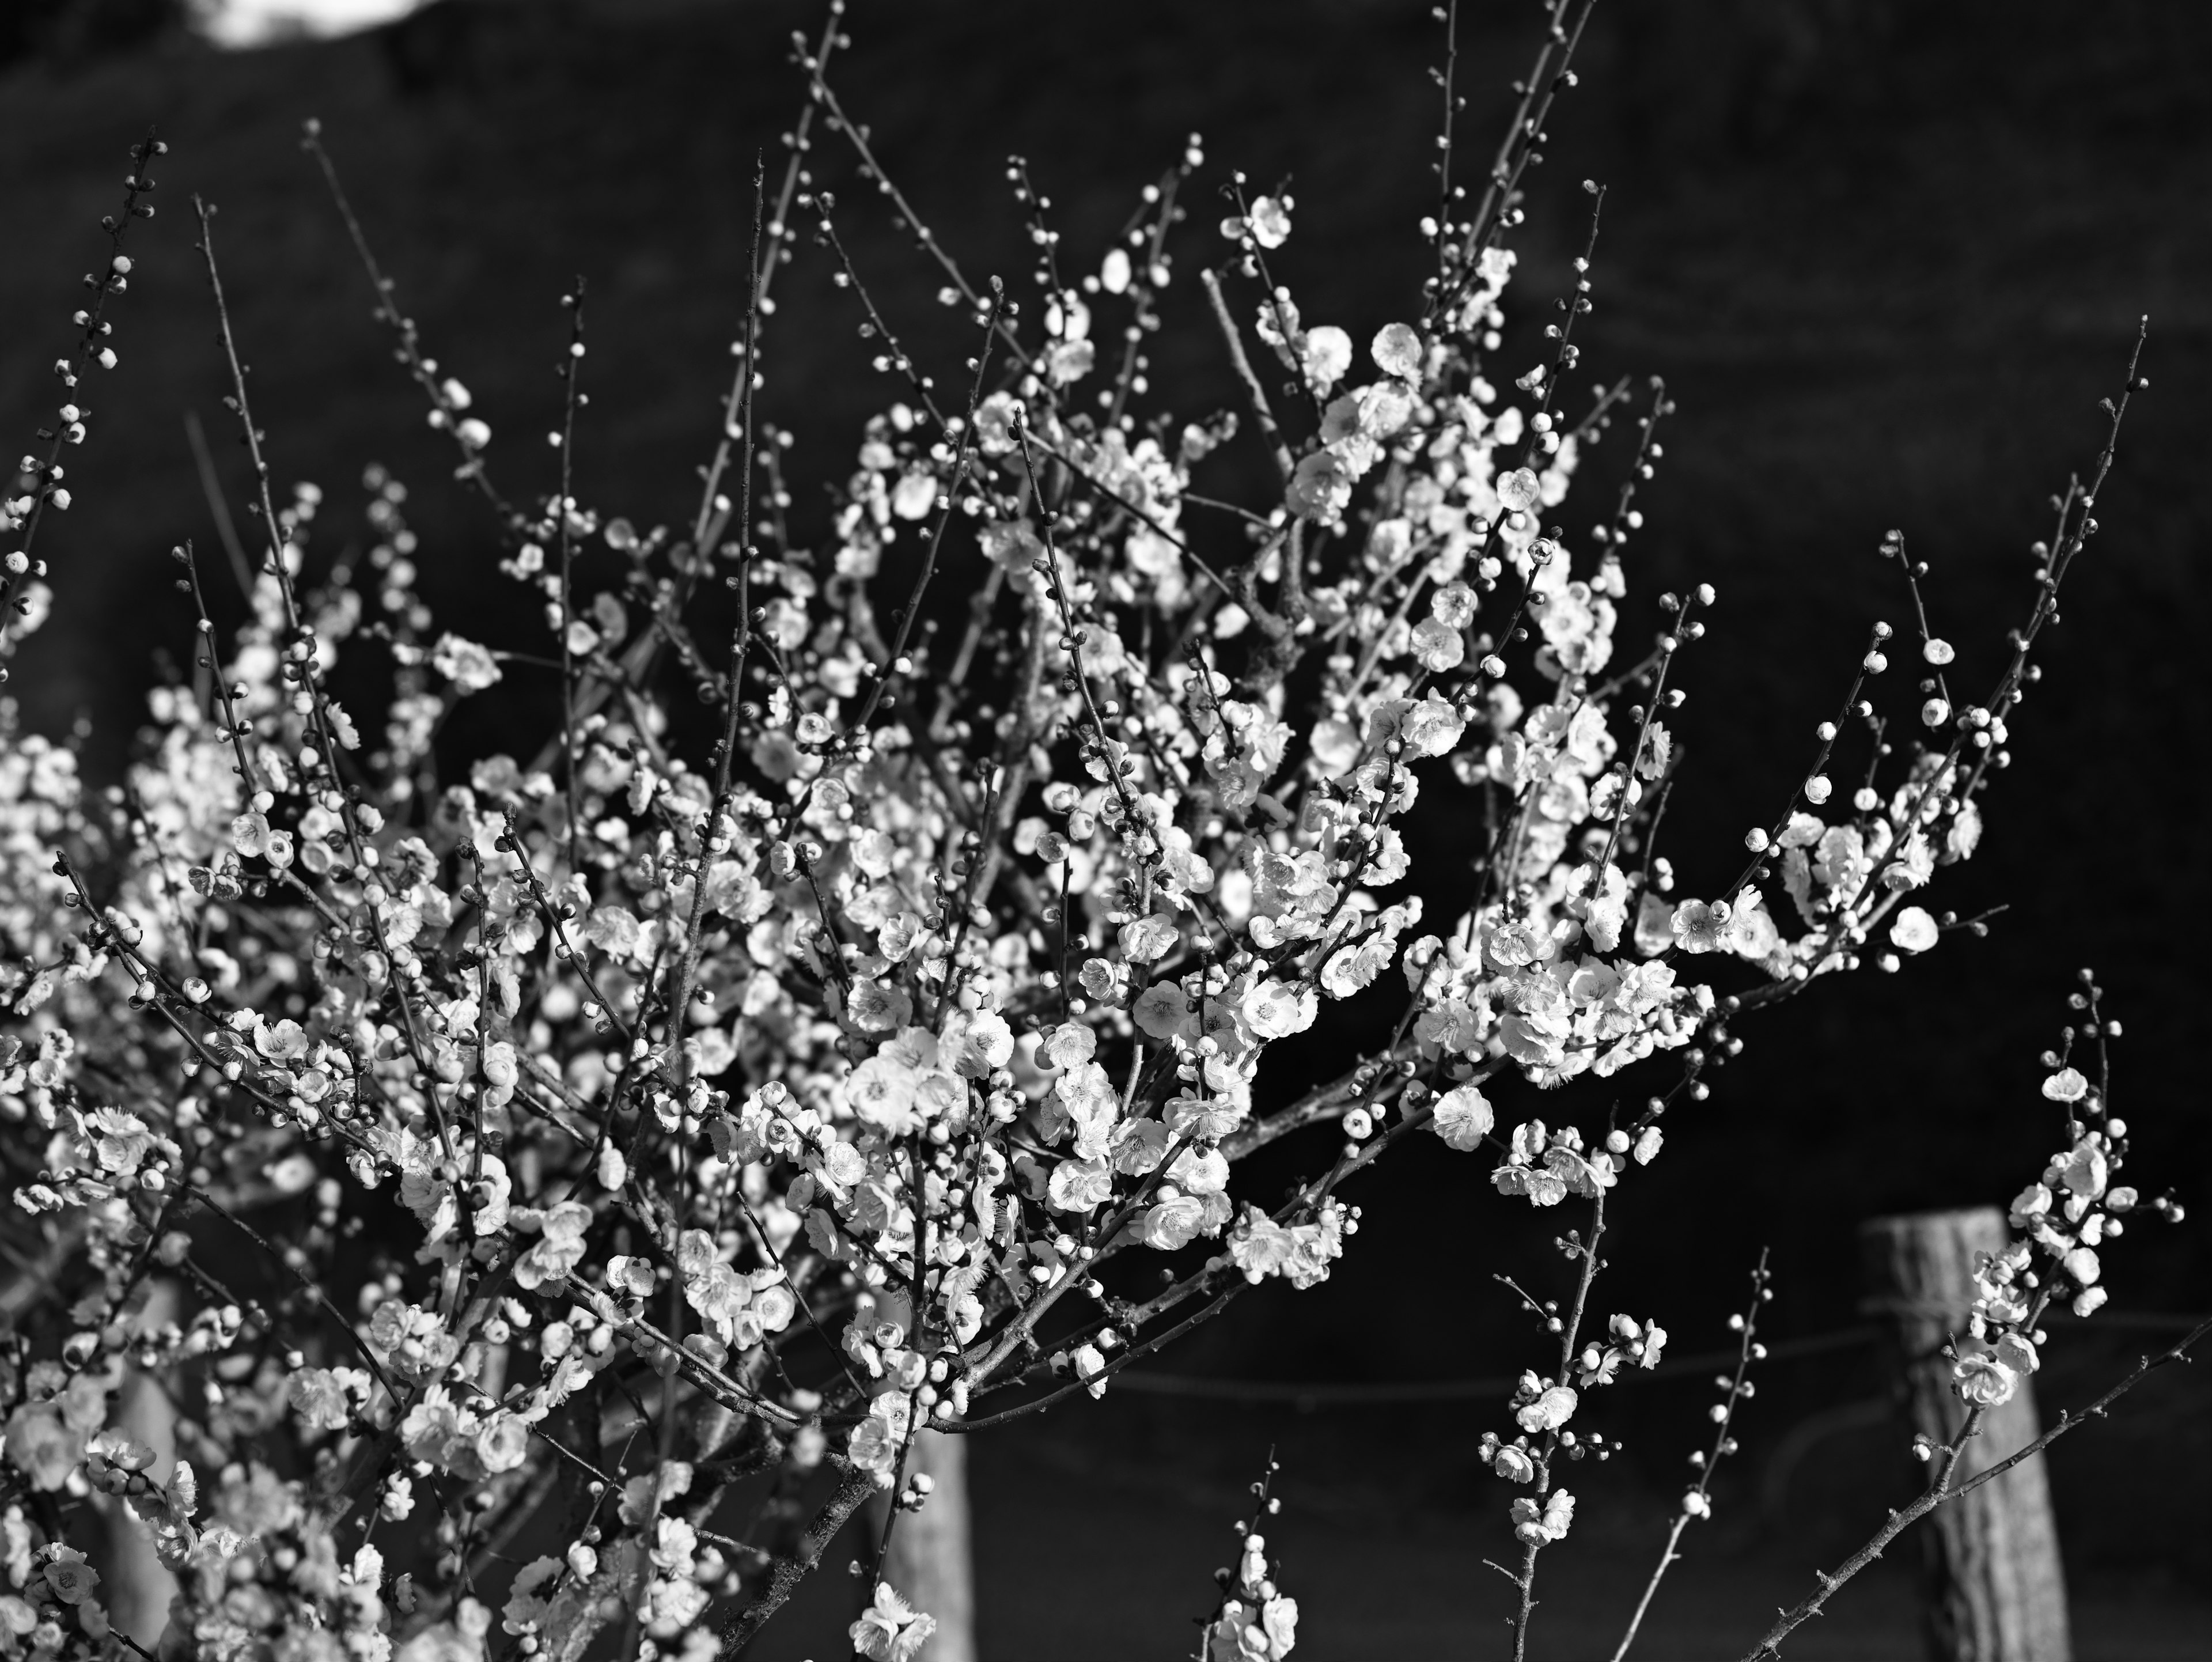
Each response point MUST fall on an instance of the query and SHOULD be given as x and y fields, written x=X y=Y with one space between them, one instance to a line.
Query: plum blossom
x=1912 y=930
x=2067 y=1085
x=1396 y=350
x=468 y=666
x=42 y=1446
x=69 y=1578
x=1981 y=1380
x=1538 y=1523
x=1463 y=1118
x=877 y=1439
x=890 y=1629
x=1550 y=1409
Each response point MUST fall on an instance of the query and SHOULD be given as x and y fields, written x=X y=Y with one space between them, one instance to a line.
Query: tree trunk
x=1996 y=1591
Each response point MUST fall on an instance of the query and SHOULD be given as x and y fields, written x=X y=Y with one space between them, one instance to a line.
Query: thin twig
x=1697 y=1502
x=1942 y=1489
x=225 y=530
x=1260 y=409
x=564 y=508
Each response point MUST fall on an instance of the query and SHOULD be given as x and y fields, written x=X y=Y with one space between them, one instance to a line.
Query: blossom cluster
x=2064 y=1217
x=555 y=1139
x=1255 y=1620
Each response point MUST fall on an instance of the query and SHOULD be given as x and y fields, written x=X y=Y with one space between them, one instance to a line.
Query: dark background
x=1887 y=258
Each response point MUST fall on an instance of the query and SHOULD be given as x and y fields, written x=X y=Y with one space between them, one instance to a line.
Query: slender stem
x=1570 y=1337
x=91 y=332
x=1448 y=78
x=889 y=672
x=873 y=168
x=564 y=508
x=853 y=1488
x=226 y=529
x=1084 y=477
x=1517 y=152
x=250 y=782
x=715 y=508
x=1262 y=410
x=895 y=355
x=310 y=677
x=1696 y=1503
x=725 y=755
x=1942 y=1489
x=420 y=369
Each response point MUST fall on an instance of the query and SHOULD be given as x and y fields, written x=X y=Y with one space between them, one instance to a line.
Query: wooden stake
x=930 y=1560
x=1995 y=1589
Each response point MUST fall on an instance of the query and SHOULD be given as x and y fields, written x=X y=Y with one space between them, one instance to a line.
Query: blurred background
x=1887 y=258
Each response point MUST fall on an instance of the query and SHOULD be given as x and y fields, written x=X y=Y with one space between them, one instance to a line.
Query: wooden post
x=1996 y=1591
x=140 y=1586
x=931 y=1562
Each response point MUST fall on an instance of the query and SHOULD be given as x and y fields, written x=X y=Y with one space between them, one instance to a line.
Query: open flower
x=1912 y=930
x=1697 y=927
x=1463 y=1118
x=1536 y=1524
x=468 y=666
x=878 y=1439
x=1513 y=1464
x=69 y=1577
x=42 y=1447
x=1982 y=1381
x=2067 y=1085
x=1552 y=1409
x=890 y=1629
x=501 y=1443
x=1397 y=351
